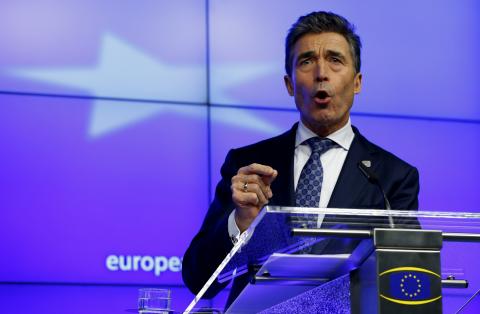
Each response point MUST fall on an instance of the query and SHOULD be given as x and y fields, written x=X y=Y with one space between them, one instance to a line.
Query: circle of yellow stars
x=410 y=293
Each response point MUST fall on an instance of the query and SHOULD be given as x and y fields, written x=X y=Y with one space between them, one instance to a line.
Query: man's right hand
x=251 y=191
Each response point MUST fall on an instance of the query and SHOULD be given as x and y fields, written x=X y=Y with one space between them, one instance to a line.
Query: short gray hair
x=322 y=22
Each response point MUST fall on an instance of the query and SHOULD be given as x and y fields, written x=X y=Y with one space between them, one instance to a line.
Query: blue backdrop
x=116 y=117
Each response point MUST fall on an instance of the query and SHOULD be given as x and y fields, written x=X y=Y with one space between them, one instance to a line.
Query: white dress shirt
x=332 y=163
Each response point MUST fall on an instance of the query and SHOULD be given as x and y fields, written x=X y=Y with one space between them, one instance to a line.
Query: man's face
x=323 y=81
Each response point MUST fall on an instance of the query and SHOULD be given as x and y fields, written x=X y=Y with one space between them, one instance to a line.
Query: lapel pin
x=367 y=163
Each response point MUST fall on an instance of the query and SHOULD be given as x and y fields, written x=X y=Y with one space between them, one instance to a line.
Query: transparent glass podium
x=330 y=260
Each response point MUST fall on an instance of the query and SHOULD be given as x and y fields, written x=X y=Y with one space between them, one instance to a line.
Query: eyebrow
x=306 y=55
x=334 y=53
x=311 y=53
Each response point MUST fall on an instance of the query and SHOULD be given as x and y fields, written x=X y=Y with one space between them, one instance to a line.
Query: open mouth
x=321 y=94
x=322 y=97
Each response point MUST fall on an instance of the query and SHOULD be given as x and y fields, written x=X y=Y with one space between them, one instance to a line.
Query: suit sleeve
x=212 y=243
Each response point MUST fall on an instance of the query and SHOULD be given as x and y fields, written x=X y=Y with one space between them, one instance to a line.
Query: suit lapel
x=351 y=181
x=284 y=194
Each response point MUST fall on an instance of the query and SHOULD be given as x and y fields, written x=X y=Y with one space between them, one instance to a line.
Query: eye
x=335 y=60
x=306 y=61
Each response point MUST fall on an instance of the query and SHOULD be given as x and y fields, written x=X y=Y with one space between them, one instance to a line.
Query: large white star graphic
x=123 y=71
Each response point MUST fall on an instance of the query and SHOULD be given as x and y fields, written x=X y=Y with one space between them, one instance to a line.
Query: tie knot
x=320 y=145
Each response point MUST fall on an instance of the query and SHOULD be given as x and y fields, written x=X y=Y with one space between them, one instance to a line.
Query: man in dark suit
x=322 y=62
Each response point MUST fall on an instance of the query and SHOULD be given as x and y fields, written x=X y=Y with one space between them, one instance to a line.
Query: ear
x=357 y=81
x=288 y=84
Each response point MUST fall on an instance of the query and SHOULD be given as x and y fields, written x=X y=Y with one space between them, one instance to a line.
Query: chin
x=323 y=119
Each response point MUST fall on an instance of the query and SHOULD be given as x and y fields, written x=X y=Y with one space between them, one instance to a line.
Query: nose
x=321 y=71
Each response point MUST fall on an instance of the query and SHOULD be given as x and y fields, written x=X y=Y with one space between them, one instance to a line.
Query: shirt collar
x=343 y=137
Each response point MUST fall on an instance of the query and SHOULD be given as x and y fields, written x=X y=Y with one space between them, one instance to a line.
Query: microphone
x=364 y=167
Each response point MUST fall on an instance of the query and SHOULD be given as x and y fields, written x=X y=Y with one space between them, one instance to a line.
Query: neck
x=323 y=130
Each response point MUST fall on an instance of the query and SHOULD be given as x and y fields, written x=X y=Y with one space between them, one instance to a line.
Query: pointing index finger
x=267 y=173
x=258 y=169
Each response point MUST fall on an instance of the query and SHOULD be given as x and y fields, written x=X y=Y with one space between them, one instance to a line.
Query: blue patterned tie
x=310 y=182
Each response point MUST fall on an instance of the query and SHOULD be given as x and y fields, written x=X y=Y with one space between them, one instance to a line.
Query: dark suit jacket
x=212 y=243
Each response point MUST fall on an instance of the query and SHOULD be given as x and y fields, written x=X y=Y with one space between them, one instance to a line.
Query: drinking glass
x=154 y=301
